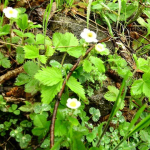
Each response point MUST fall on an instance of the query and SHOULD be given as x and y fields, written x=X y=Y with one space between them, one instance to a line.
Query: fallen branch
x=62 y=90
x=10 y=74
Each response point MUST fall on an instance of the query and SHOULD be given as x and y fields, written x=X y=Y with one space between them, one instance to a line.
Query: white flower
x=99 y=47
x=73 y=103
x=89 y=36
x=119 y=43
x=10 y=12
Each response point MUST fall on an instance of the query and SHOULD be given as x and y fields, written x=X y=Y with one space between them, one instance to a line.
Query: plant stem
x=62 y=62
x=11 y=23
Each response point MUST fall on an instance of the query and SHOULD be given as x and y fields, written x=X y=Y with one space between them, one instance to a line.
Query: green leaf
x=98 y=63
x=39 y=39
x=32 y=86
x=31 y=68
x=1 y=56
x=60 y=128
x=87 y=65
x=143 y=64
x=40 y=121
x=112 y=94
x=95 y=114
x=45 y=144
x=5 y=62
x=14 y=107
x=23 y=22
x=22 y=79
x=49 y=51
x=20 y=55
x=43 y=59
x=17 y=112
x=55 y=63
x=76 y=87
x=142 y=22
x=31 y=51
x=4 y=30
x=75 y=51
x=26 y=108
x=67 y=39
x=49 y=76
x=144 y=136
x=78 y=144
x=137 y=87
x=142 y=85
x=146 y=85
x=15 y=39
x=49 y=92
x=28 y=34
x=18 y=32
x=74 y=121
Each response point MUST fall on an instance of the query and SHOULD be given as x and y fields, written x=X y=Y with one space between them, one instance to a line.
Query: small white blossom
x=99 y=47
x=73 y=103
x=10 y=12
x=119 y=43
x=89 y=36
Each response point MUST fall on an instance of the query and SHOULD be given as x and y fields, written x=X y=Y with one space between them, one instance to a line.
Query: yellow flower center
x=100 y=47
x=10 y=12
x=73 y=104
x=90 y=34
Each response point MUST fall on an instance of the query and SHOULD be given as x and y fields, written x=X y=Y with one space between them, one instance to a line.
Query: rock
x=63 y=24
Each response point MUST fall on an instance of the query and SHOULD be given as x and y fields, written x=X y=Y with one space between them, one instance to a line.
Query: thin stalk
x=23 y=39
x=46 y=19
x=11 y=23
x=119 y=11
x=64 y=56
x=88 y=12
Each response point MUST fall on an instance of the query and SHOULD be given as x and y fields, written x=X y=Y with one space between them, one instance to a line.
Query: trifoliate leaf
x=31 y=51
x=23 y=22
x=49 y=76
x=87 y=66
x=31 y=68
x=22 y=79
x=98 y=63
x=49 y=92
x=76 y=87
x=95 y=114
